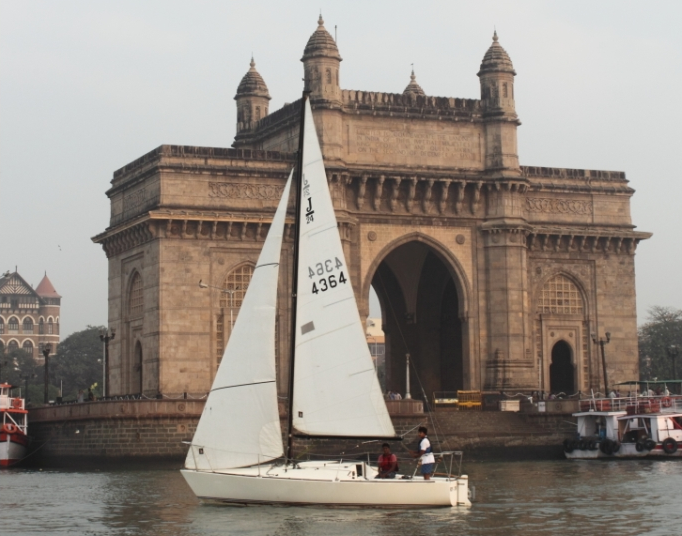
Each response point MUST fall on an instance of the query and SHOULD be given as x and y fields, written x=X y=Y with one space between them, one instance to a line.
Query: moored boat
x=627 y=427
x=13 y=427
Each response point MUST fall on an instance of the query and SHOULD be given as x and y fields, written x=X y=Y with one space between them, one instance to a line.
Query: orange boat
x=14 y=427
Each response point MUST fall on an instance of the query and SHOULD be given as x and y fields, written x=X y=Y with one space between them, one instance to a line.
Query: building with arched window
x=23 y=312
x=491 y=274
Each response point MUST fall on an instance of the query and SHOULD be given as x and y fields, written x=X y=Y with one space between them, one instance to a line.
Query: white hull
x=325 y=483
x=11 y=452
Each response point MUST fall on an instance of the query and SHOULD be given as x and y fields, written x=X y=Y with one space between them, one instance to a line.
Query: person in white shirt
x=424 y=450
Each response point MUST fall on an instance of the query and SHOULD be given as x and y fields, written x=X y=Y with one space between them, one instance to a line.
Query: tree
x=662 y=330
x=78 y=362
x=17 y=367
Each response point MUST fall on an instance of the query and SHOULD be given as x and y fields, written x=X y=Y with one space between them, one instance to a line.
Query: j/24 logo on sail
x=323 y=268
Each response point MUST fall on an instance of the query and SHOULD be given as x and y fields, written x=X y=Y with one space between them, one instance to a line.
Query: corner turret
x=499 y=112
x=252 y=99
x=321 y=62
x=497 y=80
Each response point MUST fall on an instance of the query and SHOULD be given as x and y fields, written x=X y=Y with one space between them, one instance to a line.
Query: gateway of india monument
x=492 y=275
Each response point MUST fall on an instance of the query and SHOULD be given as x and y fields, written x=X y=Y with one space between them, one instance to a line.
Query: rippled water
x=545 y=497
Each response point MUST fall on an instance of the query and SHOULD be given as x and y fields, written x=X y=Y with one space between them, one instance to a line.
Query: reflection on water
x=529 y=498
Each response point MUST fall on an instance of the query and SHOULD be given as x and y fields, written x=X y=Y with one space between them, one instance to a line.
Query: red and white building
x=29 y=318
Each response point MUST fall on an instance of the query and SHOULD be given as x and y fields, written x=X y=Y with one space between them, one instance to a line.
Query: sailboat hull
x=325 y=483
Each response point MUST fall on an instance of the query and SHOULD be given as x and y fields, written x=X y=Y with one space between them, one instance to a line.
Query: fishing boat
x=636 y=426
x=237 y=454
x=13 y=427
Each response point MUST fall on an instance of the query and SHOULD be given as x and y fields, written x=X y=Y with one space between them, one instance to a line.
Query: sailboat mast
x=294 y=287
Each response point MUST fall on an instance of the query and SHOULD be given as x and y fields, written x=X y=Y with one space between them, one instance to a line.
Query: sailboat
x=237 y=453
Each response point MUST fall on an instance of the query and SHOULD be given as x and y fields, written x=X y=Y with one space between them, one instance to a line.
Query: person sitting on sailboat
x=388 y=463
x=426 y=452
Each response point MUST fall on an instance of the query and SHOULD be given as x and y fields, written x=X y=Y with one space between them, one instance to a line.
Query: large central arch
x=423 y=298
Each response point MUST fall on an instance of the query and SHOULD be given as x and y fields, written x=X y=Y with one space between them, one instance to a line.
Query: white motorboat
x=629 y=427
x=237 y=453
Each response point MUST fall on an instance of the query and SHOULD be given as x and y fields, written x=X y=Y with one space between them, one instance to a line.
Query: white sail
x=240 y=422
x=336 y=391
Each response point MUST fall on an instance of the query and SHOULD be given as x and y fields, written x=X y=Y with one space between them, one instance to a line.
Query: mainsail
x=336 y=391
x=240 y=422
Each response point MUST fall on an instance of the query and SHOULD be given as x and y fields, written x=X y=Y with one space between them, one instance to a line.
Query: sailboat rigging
x=237 y=454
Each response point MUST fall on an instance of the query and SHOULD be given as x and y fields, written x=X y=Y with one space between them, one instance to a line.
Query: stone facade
x=491 y=275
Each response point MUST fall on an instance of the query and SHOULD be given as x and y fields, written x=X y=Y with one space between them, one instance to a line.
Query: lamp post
x=27 y=377
x=105 y=337
x=408 y=396
x=46 y=354
x=601 y=342
x=673 y=352
x=374 y=354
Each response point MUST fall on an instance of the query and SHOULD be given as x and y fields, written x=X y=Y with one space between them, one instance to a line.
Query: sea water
x=557 y=497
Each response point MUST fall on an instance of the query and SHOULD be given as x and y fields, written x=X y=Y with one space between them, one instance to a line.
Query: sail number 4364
x=327 y=281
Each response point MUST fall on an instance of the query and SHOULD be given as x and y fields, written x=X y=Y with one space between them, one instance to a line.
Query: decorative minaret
x=413 y=88
x=252 y=100
x=497 y=96
x=321 y=61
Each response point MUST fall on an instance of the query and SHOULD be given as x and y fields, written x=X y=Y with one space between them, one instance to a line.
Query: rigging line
x=412 y=365
x=241 y=385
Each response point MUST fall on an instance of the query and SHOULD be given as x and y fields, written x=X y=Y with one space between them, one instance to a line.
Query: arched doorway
x=562 y=371
x=420 y=308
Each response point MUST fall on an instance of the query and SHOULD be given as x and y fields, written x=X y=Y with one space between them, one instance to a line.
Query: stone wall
x=157 y=429
x=115 y=429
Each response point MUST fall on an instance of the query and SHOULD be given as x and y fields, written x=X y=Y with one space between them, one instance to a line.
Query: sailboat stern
x=459 y=491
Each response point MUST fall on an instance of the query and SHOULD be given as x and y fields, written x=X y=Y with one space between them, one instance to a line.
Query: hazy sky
x=86 y=87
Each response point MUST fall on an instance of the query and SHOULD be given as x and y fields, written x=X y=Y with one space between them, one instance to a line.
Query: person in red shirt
x=388 y=463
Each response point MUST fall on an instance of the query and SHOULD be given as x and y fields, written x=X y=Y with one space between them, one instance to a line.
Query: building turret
x=252 y=99
x=321 y=61
x=497 y=80
x=499 y=112
x=413 y=88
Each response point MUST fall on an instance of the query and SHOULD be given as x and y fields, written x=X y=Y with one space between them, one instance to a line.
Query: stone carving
x=461 y=186
x=371 y=236
x=444 y=195
x=361 y=192
x=244 y=191
x=133 y=202
x=411 y=193
x=548 y=205
x=378 y=192
x=427 y=195
x=460 y=239
x=394 y=194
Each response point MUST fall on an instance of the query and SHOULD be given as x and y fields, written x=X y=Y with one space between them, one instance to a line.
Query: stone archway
x=561 y=370
x=421 y=310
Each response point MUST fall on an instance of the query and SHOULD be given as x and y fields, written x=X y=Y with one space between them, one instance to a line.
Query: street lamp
x=46 y=354
x=375 y=355
x=601 y=342
x=224 y=291
x=673 y=352
x=27 y=377
x=105 y=337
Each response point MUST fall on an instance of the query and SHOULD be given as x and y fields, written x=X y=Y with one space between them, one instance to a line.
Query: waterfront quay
x=144 y=429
